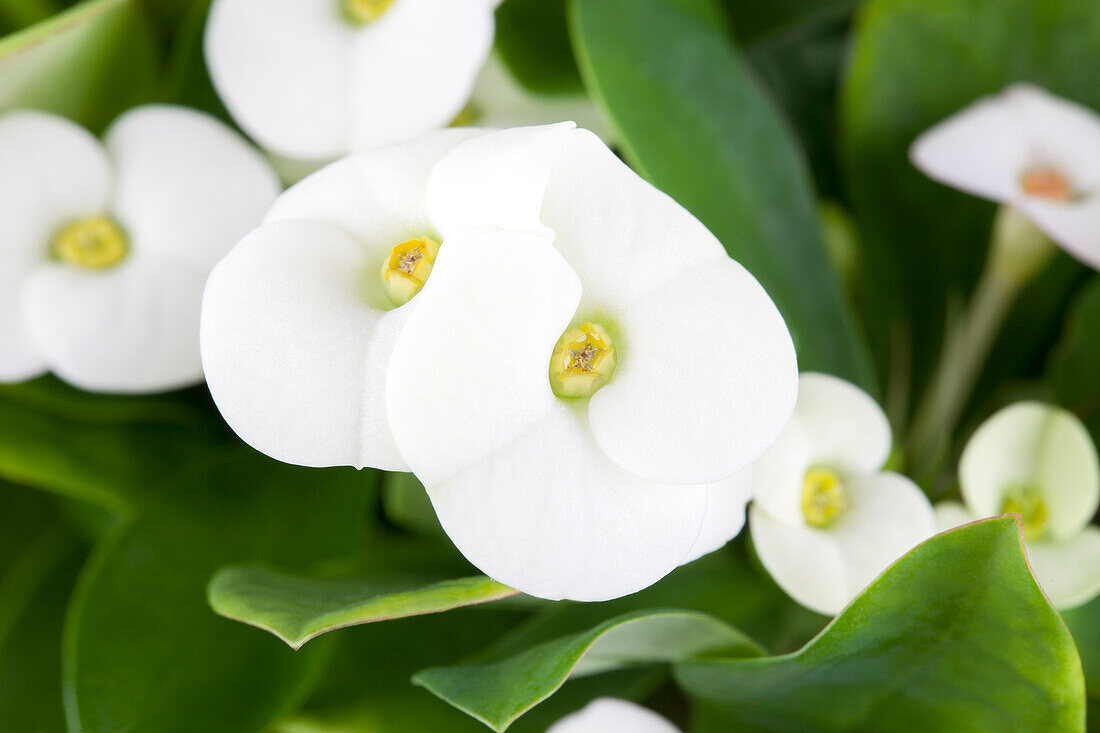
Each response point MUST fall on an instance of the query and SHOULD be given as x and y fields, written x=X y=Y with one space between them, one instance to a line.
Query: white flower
x=1029 y=150
x=106 y=247
x=609 y=715
x=1037 y=461
x=316 y=79
x=825 y=519
x=542 y=233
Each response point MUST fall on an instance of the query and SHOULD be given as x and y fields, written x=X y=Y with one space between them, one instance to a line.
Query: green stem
x=1018 y=253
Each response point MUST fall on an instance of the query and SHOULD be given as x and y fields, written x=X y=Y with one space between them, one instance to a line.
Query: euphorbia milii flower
x=576 y=369
x=609 y=715
x=106 y=247
x=317 y=79
x=1037 y=461
x=1031 y=151
x=825 y=519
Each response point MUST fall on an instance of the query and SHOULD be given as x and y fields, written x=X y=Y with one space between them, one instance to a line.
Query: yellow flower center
x=361 y=12
x=407 y=268
x=1047 y=183
x=582 y=362
x=823 y=497
x=95 y=242
x=1027 y=501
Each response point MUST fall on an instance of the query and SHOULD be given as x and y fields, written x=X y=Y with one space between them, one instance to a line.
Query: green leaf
x=88 y=63
x=406 y=503
x=498 y=692
x=297 y=609
x=1076 y=361
x=1084 y=624
x=956 y=637
x=143 y=651
x=111 y=451
x=914 y=63
x=533 y=40
x=696 y=124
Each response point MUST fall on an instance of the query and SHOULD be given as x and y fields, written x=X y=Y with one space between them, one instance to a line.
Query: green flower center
x=582 y=362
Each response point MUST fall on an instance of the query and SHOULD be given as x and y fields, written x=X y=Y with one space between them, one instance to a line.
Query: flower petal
x=1074 y=226
x=285 y=71
x=51 y=171
x=187 y=186
x=983 y=150
x=1033 y=445
x=1063 y=134
x=824 y=569
x=951 y=514
x=845 y=427
x=414 y=68
x=608 y=715
x=294 y=355
x=778 y=475
x=514 y=475
x=379 y=196
x=705 y=382
x=726 y=501
x=131 y=329
x=1068 y=571
x=497 y=180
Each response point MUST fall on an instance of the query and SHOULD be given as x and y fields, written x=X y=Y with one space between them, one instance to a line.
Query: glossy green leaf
x=88 y=63
x=143 y=650
x=533 y=40
x=695 y=123
x=956 y=637
x=914 y=63
x=297 y=609
x=1084 y=624
x=1074 y=366
x=497 y=692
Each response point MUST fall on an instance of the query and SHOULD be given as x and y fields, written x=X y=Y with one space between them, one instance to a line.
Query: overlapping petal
x=513 y=472
x=1074 y=225
x=725 y=517
x=294 y=356
x=608 y=715
x=850 y=431
x=824 y=569
x=1068 y=571
x=187 y=187
x=129 y=329
x=1030 y=445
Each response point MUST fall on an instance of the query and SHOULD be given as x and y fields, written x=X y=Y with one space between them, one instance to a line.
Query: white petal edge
x=1033 y=444
x=413 y=69
x=497 y=180
x=1068 y=571
x=845 y=428
x=284 y=69
x=779 y=474
x=513 y=473
x=608 y=715
x=294 y=356
x=952 y=514
x=186 y=185
x=1075 y=226
x=706 y=377
x=803 y=561
x=132 y=329
x=725 y=517
x=51 y=172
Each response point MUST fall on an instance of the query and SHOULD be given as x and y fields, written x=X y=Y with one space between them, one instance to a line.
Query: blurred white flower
x=1029 y=150
x=825 y=519
x=316 y=79
x=106 y=247
x=609 y=715
x=1037 y=461
x=582 y=344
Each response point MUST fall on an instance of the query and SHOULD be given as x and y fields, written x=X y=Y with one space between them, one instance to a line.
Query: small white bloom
x=825 y=519
x=316 y=79
x=1029 y=150
x=1037 y=461
x=583 y=343
x=609 y=715
x=106 y=247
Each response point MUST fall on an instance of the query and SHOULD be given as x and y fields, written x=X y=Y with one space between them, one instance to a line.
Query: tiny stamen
x=94 y=242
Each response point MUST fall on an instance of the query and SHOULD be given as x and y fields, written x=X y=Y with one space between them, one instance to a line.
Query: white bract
x=555 y=271
x=609 y=715
x=825 y=519
x=1030 y=150
x=1037 y=461
x=316 y=79
x=106 y=247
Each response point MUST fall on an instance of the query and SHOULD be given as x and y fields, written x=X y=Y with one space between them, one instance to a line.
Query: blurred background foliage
x=784 y=126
